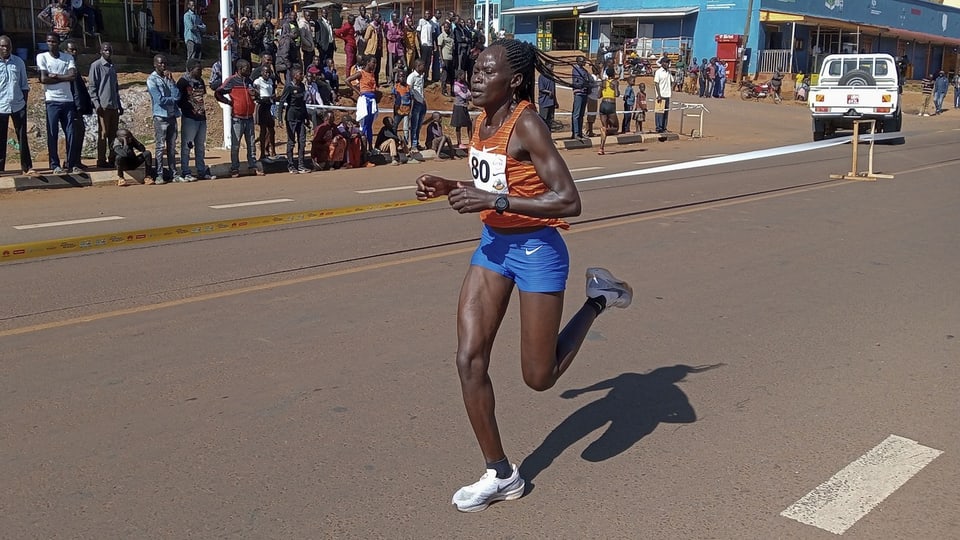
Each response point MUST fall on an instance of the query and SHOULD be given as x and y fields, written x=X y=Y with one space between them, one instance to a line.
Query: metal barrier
x=869 y=175
x=698 y=110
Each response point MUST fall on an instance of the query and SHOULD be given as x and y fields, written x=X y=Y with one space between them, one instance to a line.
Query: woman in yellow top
x=609 y=92
x=522 y=189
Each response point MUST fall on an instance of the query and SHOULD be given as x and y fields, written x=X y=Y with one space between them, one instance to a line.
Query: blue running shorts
x=536 y=261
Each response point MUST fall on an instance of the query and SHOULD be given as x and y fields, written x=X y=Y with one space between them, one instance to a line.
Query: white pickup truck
x=856 y=87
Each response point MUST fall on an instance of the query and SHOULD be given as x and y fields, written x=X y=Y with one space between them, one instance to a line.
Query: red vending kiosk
x=729 y=50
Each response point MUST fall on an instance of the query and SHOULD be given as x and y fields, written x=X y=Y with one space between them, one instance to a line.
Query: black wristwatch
x=502 y=204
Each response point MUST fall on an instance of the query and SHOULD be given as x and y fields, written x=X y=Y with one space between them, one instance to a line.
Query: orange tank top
x=494 y=170
x=368 y=81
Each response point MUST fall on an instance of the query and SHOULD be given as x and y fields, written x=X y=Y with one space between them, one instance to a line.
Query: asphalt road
x=298 y=382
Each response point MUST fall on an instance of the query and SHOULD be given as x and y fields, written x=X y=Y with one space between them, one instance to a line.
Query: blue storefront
x=793 y=35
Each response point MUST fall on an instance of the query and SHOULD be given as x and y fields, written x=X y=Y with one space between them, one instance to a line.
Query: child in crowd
x=629 y=100
x=266 y=92
x=402 y=102
x=461 y=117
x=350 y=131
x=331 y=76
x=640 y=109
x=313 y=97
x=293 y=102
x=131 y=154
x=436 y=139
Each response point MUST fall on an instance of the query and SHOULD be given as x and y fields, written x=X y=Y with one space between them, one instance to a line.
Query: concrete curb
x=222 y=170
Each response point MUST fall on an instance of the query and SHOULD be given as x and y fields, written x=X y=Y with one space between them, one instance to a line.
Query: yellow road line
x=384 y=264
x=62 y=246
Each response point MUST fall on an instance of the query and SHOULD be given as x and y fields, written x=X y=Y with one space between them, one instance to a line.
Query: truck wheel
x=817 y=135
x=857 y=77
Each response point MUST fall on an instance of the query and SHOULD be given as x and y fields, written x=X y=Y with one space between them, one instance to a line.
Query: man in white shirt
x=425 y=33
x=663 y=88
x=418 y=110
x=57 y=71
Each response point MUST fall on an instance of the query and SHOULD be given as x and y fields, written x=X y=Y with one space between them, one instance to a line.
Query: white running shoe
x=489 y=489
x=600 y=282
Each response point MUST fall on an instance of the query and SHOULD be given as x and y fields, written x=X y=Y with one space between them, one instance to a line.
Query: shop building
x=792 y=35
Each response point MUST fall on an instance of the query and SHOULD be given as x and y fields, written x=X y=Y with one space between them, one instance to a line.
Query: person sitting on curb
x=131 y=154
x=437 y=141
x=388 y=141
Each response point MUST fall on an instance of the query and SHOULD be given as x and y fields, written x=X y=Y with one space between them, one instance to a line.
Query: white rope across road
x=745 y=156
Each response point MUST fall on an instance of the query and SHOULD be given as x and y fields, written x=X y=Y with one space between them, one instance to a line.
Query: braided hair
x=524 y=58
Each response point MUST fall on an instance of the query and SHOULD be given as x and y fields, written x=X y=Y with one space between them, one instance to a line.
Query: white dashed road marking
x=251 y=203
x=652 y=162
x=381 y=190
x=852 y=493
x=582 y=169
x=711 y=155
x=70 y=222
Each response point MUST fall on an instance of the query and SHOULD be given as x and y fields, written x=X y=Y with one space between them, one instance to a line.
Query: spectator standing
x=216 y=75
x=593 y=99
x=266 y=31
x=956 y=91
x=703 y=79
x=926 y=88
x=82 y=9
x=326 y=44
x=239 y=94
x=266 y=85
x=81 y=100
x=57 y=73
x=581 y=89
x=720 y=84
x=374 y=41
x=360 y=23
x=629 y=102
x=293 y=106
x=313 y=98
x=193 y=28
x=193 y=122
x=640 y=109
x=131 y=154
x=164 y=95
x=59 y=17
x=348 y=34
x=427 y=41
x=681 y=73
x=308 y=37
x=663 y=90
x=14 y=89
x=291 y=30
x=411 y=40
x=394 y=33
x=366 y=95
x=245 y=34
x=445 y=46
x=711 y=72
x=402 y=103
x=330 y=74
x=694 y=75
x=437 y=140
x=940 y=87
x=547 y=98
x=461 y=116
x=105 y=96
x=418 y=109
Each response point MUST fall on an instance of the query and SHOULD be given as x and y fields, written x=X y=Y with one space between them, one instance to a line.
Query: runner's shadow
x=634 y=406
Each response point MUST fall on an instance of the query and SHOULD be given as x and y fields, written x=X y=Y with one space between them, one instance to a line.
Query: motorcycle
x=755 y=91
x=637 y=67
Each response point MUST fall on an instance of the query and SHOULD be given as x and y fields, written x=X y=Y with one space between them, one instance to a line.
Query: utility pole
x=746 y=38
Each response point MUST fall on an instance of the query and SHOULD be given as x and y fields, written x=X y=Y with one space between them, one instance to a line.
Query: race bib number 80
x=489 y=171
